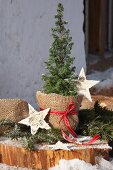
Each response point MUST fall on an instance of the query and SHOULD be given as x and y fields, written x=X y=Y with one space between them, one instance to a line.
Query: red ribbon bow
x=71 y=110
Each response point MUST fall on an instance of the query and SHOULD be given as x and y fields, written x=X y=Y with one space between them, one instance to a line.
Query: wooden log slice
x=104 y=101
x=44 y=159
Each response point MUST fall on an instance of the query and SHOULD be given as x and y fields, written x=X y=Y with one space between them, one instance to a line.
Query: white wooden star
x=36 y=120
x=84 y=85
x=59 y=145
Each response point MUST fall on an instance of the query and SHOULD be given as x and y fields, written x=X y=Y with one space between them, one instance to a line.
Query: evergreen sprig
x=6 y=122
x=15 y=133
x=98 y=127
x=43 y=136
x=28 y=140
x=98 y=120
x=5 y=125
x=103 y=114
x=61 y=73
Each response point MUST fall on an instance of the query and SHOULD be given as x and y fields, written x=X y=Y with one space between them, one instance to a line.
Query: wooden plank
x=98 y=26
x=44 y=159
x=94 y=15
x=104 y=101
x=103 y=28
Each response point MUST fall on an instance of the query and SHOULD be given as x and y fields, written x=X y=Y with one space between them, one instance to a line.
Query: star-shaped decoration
x=84 y=85
x=36 y=120
x=80 y=138
x=59 y=145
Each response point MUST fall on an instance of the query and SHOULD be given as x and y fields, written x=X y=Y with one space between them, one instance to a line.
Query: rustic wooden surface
x=104 y=101
x=44 y=159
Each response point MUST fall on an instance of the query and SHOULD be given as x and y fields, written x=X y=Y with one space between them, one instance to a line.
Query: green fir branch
x=28 y=140
x=98 y=120
x=91 y=122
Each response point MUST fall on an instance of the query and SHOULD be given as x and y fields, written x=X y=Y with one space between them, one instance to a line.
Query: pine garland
x=87 y=115
x=28 y=140
x=98 y=120
x=98 y=127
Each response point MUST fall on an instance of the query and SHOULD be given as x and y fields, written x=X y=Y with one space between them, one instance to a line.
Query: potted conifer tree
x=60 y=90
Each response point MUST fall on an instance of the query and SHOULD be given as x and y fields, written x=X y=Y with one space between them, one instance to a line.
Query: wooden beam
x=102 y=27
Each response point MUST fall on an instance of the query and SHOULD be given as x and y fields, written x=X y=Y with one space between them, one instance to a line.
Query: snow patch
x=77 y=164
x=6 y=167
x=105 y=77
x=74 y=164
x=18 y=143
x=93 y=59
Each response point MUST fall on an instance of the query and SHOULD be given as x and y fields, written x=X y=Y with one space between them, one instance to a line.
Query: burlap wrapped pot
x=58 y=102
x=14 y=110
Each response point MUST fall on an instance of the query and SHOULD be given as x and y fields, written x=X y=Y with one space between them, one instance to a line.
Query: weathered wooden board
x=44 y=159
x=104 y=101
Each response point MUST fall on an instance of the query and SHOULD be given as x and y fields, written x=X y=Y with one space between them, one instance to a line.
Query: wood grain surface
x=44 y=159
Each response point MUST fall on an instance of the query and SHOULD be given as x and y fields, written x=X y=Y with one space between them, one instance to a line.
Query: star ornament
x=36 y=120
x=84 y=85
x=59 y=145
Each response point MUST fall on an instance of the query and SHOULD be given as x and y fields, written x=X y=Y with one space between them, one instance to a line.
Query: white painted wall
x=25 y=29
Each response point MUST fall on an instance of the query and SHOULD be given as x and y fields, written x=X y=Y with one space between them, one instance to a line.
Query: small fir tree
x=60 y=78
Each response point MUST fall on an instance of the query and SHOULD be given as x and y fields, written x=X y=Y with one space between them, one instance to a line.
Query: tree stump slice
x=44 y=159
x=104 y=101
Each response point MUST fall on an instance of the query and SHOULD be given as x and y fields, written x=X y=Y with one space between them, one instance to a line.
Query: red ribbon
x=66 y=137
x=71 y=110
